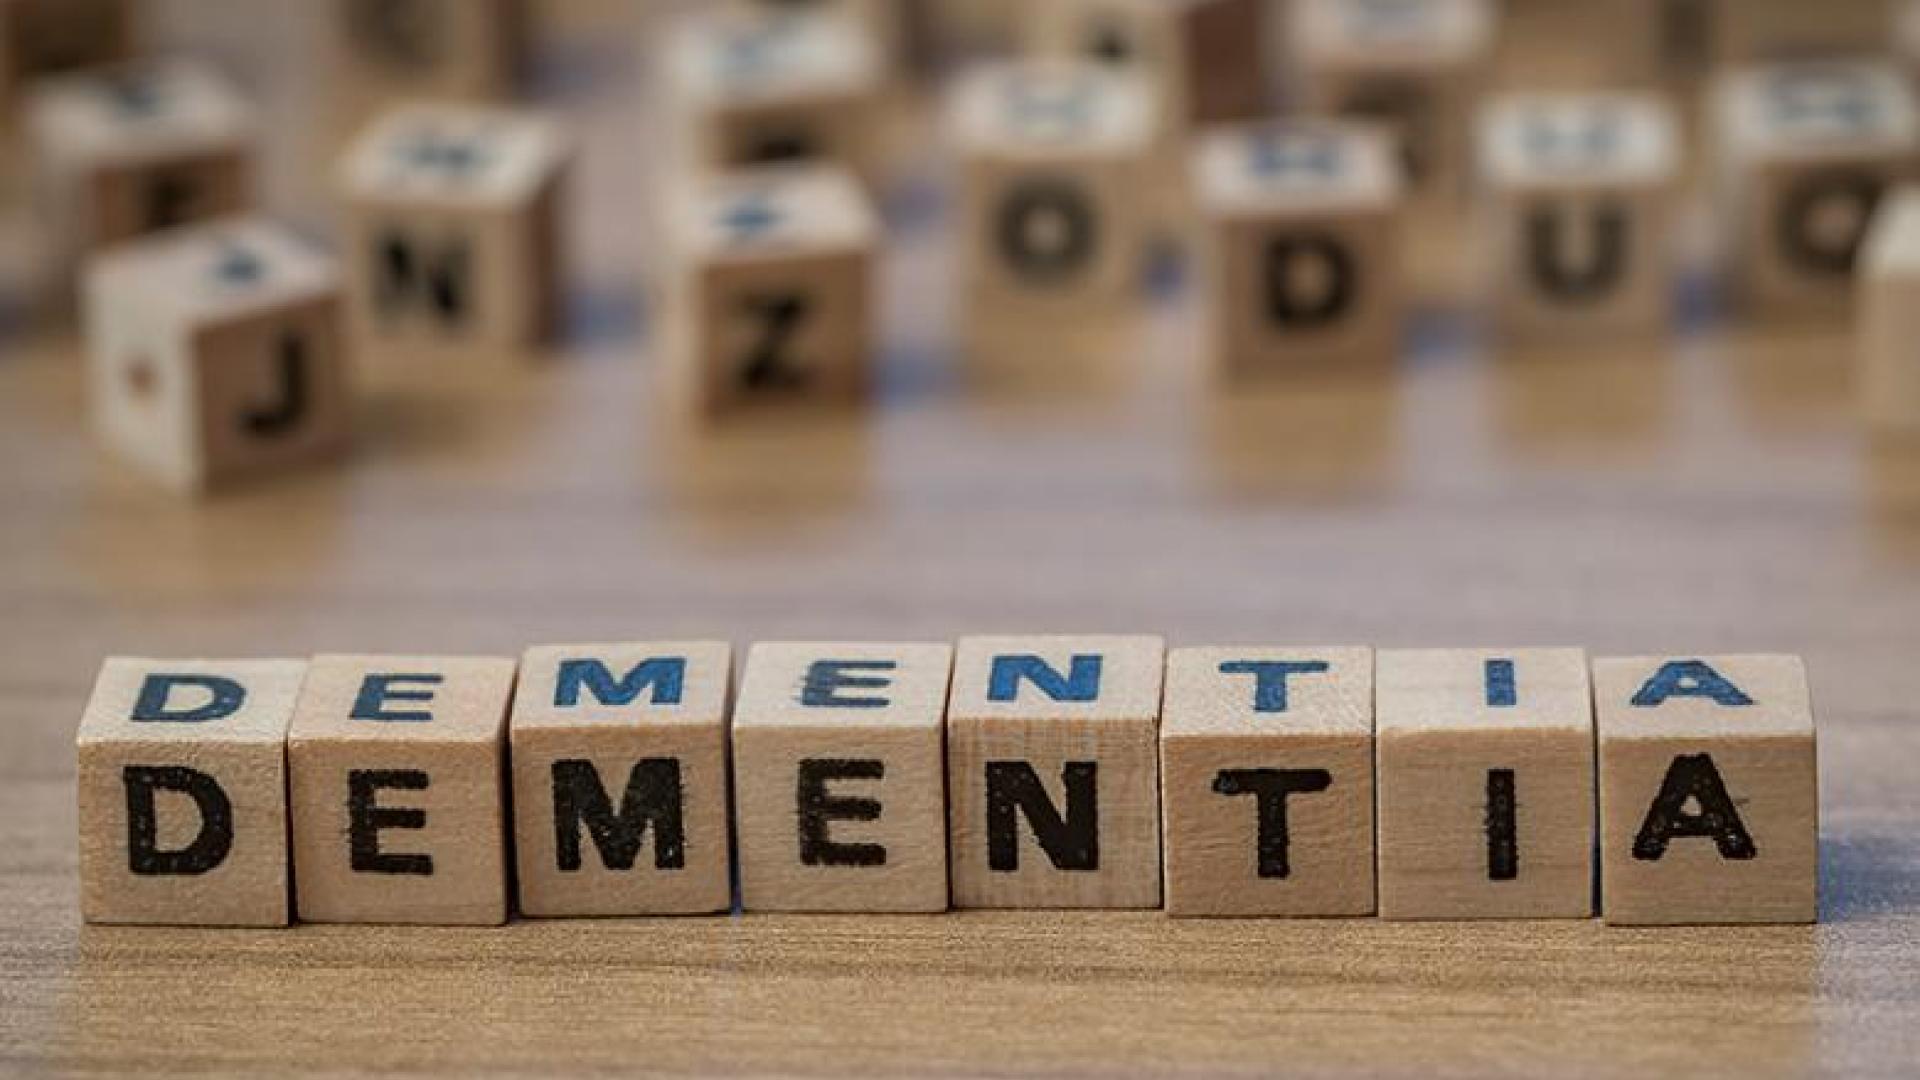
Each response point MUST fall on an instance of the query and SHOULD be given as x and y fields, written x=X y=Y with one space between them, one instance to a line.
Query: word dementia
x=1043 y=772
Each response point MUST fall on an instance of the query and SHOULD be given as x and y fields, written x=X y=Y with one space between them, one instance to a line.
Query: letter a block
x=620 y=779
x=215 y=354
x=399 y=810
x=1485 y=784
x=1887 y=333
x=182 y=786
x=841 y=778
x=1266 y=759
x=1709 y=800
x=1053 y=772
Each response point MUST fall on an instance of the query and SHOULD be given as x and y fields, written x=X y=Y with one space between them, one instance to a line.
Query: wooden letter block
x=620 y=779
x=1806 y=150
x=1709 y=800
x=1579 y=192
x=44 y=37
x=1745 y=31
x=1485 y=773
x=399 y=809
x=215 y=353
x=1266 y=766
x=1887 y=334
x=1301 y=247
x=452 y=232
x=182 y=786
x=1207 y=58
x=840 y=778
x=770 y=290
x=1053 y=772
x=432 y=50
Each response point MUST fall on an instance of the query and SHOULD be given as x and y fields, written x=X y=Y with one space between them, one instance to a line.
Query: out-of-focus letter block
x=1207 y=58
x=432 y=50
x=1887 y=335
x=44 y=37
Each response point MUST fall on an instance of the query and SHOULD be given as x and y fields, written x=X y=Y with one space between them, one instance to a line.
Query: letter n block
x=840 y=777
x=182 y=787
x=399 y=805
x=620 y=779
x=1053 y=772
x=1266 y=781
x=1709 y=800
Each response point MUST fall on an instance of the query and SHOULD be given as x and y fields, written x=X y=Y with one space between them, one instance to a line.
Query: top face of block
x=135 y=113
x=1481 y=689
x=642 y=684
x=1269 y=691
x=844 y=685
x=1709 y=697
x=1296 y=166
x=456 y=154
x=1096 y=678
x=234 y=701
x=759 y=213
x=1386 y=34
x=1042 y=109
x=433 y=699
x=207 y=273
x=1817 y=110
x=1893 y=244
x=740 y=58
x=1579 y=140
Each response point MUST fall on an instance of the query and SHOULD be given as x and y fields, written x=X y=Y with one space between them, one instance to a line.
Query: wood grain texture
x=1712 y=494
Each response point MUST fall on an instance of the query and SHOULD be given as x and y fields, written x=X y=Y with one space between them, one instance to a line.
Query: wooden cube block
x=1806 y=151
x=1888 y=320
x=1266 y=781
x=45 y=37
x=122 y=152
x=1485 y=772
x=215 y=353
x=1207 y=59
x=620 y=779
x=1709 y=800
x=1301 y=250
x=840 y=777
x=386 y=51
x=399 y=805
x=182 y=787
x=1053 y=772
x=1579 y=193
x=453 y=227
x=890 y=23
x=1745 y=31
x=770 y=290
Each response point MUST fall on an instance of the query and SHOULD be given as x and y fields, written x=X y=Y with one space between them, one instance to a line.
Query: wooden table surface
x=1703 y=495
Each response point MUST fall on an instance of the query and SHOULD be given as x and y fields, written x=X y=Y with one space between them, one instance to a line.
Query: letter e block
x=1887 y=334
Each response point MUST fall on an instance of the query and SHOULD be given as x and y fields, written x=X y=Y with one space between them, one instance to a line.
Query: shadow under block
x=452 y=230
x=1806 y=152
x=1486 y=791
x=386 y=51
x=770 y=290
x=399 y=803
x=1053 y=772
x=1300 y=248
x=1207 y=59
x=182 y=792
x=1579 y=192
x=1709 y=801
x=840 y=777
x=620 y=794
x=1266 y=772
x=1887 y=334
x=45 y=37
x=215 y=353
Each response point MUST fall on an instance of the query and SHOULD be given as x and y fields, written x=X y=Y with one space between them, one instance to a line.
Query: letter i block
x=1709 y=794
x=1301 y=247
x=1485 y=773
x=1207 y=58
x=453 y=225
x=620 y=779
x=399 y=808
x=1579 y=197
x=1266 y=782
x=1887 y=334
x=215 y=354
x=841 y=777
x=1806 y=151
x=182 y=786
x=42 y=37
x=432 y=50
x=1053 y=772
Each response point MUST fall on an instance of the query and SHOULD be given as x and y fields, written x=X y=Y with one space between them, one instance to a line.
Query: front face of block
x=1486 y=790
x=1888 y=374
x=136 y=200
x=398 y=801
x=1709 y=801
x=442 y=49
x=841 y=778
x=182 y=791
x=1053 y=774
x=620 y=779
x=1267 y=782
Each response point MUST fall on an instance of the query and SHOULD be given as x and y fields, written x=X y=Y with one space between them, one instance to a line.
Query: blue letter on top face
x=1503 y=692
x=1689 y=678
x=826 y=679
x=1270 y=679
x=666 y=675
x=377 y=690
x=224 y=698
x=1081 y=683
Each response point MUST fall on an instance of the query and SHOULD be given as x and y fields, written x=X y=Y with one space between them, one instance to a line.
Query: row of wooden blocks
x=1003 y=772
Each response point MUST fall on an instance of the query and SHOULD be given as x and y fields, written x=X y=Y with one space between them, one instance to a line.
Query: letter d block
x=620 y=779
x=182 y=786
x=1053 y=772
x=399 y=810
x=1709 y=800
